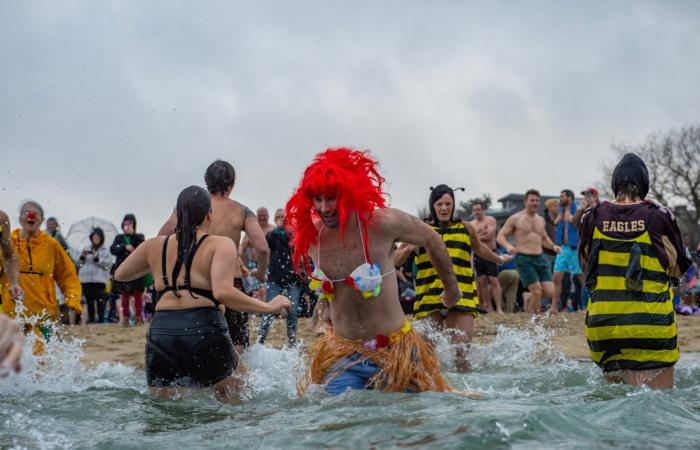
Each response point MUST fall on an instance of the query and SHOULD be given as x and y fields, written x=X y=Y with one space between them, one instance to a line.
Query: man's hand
x=556 y=249
x=11 y=342
x=506 y=258
x=513 y=250
x=280 y=305
x=130 y=248
x=16 y=292
x=450 y=299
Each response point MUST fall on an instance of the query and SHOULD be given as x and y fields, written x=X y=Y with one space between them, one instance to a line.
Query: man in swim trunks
x=229 y=218
x=489 y=288
x=528 y=229
x=339 y=221
x=566 y=262
x=247 y=252
x=631 y=250
x=9 y=263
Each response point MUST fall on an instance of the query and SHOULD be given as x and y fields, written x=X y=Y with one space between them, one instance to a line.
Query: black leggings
x=95 y=296
x=188 y=347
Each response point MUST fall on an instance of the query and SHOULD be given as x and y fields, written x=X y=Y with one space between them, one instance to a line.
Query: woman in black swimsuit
x=188 y=344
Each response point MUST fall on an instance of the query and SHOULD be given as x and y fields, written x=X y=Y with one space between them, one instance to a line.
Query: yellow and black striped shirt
x=630 y=322
x=428 y=284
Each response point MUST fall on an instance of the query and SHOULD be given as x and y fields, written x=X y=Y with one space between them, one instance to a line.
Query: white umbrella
x=78 y=236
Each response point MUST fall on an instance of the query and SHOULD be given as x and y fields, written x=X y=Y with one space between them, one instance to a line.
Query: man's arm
x=479 y=248
x=9 y=257
x=168 y=227
x=402 y=253
x=258 y=242
x=405 y=228
x=135 y=265
x=488 y=232
x=506 y=231
x=243 y=250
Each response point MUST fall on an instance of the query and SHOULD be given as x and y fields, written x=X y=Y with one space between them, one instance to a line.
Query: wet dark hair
x=129 y=217
x=436 y=194
x=98 y=231
x=219 y=177
x=627 y=190
x=532 y=192
x=568 y=192
x=192 y=207
x=480 y=203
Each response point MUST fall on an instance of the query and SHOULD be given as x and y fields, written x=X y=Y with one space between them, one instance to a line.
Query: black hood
x=129 y=217
x=631 y=169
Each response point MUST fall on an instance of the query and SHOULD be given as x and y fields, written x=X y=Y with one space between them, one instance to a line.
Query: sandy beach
x=112 y=343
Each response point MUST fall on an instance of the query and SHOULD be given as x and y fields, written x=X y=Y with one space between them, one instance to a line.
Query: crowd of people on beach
x=336 y=252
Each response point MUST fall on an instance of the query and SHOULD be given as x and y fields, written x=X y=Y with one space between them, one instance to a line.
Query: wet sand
x=112 y=343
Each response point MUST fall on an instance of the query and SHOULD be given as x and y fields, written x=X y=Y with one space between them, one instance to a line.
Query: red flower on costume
x=351 y=177
x=382 y=341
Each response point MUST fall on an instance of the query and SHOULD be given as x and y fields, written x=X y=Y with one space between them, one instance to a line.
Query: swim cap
x=631 y=169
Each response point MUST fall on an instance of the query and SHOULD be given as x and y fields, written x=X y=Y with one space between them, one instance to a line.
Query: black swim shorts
x=188 y=347
x=485 y=267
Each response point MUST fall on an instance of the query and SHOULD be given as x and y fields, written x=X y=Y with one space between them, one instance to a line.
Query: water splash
x=272 y=371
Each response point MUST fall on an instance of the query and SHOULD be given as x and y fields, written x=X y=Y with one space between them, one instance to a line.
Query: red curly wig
x=351 y=176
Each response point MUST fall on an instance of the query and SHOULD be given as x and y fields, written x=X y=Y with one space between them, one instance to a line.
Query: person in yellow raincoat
x=42 y=261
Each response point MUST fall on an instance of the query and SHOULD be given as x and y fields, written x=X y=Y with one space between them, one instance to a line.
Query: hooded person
x=631 y=253
x=461 y=239
x=124 y=244
x=344 y=235
x=43 y=264
x=94 y=264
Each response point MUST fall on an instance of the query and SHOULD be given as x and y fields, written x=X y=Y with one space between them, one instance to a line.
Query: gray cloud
x=107 y=108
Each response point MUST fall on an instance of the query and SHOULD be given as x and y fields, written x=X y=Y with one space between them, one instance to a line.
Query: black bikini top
x=192 y=290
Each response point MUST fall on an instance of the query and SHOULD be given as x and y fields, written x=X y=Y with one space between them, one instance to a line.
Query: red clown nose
x=31 y=215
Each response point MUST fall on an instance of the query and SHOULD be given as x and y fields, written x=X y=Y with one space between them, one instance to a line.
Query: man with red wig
x=341 y=224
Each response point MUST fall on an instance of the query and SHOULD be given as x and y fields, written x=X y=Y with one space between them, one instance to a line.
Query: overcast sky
x=114 y=107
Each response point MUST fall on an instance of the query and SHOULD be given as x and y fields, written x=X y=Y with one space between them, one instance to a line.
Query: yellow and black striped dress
x=630 y=323
x=428 y=284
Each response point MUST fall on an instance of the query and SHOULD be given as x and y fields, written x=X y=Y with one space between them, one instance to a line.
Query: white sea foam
x=272 y=371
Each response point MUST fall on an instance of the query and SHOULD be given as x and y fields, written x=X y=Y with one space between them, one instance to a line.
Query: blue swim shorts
x=350 y=374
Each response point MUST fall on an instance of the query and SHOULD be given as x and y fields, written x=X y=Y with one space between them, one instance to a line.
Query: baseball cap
x=593 y=191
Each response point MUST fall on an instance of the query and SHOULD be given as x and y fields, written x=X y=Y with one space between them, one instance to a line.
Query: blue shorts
x=567 y=261
x=349 y=374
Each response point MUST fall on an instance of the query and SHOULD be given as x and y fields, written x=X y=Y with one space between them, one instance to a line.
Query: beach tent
x=78 y=235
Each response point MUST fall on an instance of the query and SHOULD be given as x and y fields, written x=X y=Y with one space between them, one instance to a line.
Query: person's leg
x=576 y=302
x=138 y=306
x=547 y=289
x=461 y=327
x=100 y=296
x=565 y=293
x=295 y=292
x=654 y=378
x=89 y=294
x=509 y=280
x=496 y=292
x=535 y=300
x=125 y=296
x=558 y=279
x=273 y=290
x=484 y=293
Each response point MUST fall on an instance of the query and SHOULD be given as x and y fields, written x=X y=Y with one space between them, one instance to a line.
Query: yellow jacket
x=42 y=261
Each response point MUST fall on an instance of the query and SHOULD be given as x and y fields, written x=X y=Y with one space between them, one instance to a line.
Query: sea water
x=531 y=396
